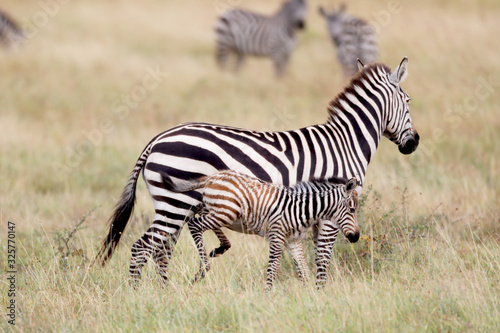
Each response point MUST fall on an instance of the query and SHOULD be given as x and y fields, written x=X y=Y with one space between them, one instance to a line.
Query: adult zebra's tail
x=123 y=211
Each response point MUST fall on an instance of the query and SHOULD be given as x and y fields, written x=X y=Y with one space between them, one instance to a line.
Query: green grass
x=429 y=252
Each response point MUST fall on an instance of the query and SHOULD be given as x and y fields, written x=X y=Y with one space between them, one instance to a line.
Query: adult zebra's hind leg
x=156 y=243
x=141 y=251
x=162 y=254
x=225 y=244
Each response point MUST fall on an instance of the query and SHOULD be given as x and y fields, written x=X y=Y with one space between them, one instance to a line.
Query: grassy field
x=429 y=254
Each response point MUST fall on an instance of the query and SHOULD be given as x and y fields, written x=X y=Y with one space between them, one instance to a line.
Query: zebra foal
x=246 y=33
x=353 y=37
x=274 y=211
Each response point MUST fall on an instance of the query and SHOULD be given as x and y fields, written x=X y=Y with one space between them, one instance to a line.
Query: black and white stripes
x=371 y=106
x=277 y=212
x=353 y=37
x=245 y=33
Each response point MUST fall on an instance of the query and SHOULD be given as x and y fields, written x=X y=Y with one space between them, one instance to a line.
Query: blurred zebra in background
x=10 y=33
x=274 y=211
x=371 y=106
x=353 y=37
x=246 y=33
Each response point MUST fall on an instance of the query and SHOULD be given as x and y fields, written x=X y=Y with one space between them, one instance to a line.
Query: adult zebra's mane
x=335 y=106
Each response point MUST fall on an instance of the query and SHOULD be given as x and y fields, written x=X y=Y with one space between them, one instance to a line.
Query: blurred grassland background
x=429 y=254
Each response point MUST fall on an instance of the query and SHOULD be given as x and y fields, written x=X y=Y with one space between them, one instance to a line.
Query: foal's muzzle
x=353 y=237
x=410 y=145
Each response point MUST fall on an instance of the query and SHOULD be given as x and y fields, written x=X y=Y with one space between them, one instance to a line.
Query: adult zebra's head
x=295 y=11
x=399 y=126
x=334 y=20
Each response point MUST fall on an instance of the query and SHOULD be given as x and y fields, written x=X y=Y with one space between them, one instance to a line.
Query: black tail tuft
x=117 y=224
x=123 y=211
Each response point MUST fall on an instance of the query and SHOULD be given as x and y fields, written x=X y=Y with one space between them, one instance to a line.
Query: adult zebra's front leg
x=240 y=57
x=280 y=64
x=296 y=251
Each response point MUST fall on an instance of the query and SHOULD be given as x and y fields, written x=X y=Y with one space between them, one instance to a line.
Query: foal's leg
x=225 y=244
x=197 y=226
x=276 y=241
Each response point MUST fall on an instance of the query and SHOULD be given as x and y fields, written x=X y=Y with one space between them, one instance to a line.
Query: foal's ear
x=351 y=185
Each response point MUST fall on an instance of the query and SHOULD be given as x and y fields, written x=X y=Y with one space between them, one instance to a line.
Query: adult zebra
x=353 y=37
x=247 y=33
x=371 y=106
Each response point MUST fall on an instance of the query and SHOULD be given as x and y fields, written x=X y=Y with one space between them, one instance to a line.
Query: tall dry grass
x=429 y=256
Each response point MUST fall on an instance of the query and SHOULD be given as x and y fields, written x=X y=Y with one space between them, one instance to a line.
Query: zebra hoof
x=134 y=283
x=320 y=285
x=217 y=252
x=196 y=279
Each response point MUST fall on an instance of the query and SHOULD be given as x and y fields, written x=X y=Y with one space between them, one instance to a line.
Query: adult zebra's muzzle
x=300 y=24
x=410 y=144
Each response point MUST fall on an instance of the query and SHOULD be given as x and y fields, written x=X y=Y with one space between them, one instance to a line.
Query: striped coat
x=353 y=37
x=373 y=105
x=274 y=211
x=245 y=33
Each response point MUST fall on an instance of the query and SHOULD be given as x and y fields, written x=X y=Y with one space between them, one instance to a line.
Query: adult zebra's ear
x=360 y=64
x=351 y=185
x=401 y=72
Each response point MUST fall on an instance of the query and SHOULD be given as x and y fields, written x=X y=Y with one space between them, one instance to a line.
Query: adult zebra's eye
x=352 y=210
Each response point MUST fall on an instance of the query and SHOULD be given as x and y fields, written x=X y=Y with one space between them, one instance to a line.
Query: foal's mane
x=316 y=183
